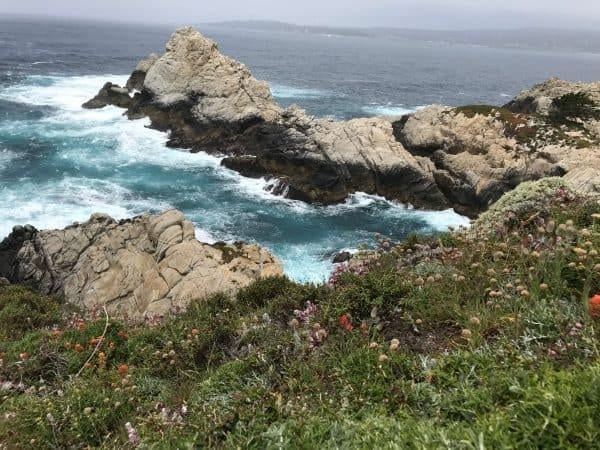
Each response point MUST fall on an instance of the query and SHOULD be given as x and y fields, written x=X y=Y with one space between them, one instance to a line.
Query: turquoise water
x=60 y=163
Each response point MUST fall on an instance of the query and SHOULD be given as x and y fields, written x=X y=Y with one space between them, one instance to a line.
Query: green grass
x=495 y=349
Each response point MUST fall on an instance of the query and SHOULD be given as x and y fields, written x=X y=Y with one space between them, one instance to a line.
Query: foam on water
x=286 y=92
x=6 y=157
x=98 y=161
x=56 y=205
x=66 y=93
x=387 y=110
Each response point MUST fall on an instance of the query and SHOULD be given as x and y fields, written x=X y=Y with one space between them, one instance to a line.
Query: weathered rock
x=110 y=94
x=145 y=266
x=478 y=153
x=342 y=257
x=584 y=179
x=540 y=98
x=138 y=76
x=529 y=201
x=209 y=102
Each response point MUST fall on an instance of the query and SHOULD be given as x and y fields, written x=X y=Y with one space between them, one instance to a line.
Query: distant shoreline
x=544 y=39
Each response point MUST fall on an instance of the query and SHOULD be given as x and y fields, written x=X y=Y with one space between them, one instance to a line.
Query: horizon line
x=179 y=24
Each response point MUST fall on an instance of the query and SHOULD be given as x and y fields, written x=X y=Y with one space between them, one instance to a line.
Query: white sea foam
x=70 y=200
x=6 y=157
x=388 y=109
x=66 y=93
x=280 y=91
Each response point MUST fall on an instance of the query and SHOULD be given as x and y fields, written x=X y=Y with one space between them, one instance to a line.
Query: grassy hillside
x=480 y=339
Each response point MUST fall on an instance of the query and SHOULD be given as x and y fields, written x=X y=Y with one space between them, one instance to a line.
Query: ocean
x=60 y=163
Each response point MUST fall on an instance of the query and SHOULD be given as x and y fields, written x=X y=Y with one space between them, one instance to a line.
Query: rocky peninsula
x=436 y=158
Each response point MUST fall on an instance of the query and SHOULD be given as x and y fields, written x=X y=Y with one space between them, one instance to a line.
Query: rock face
x=146 y=266
x=437 y=158
x=481 y=152
x=138 y=76
x=110 y=94
x=477 y=154
x=540 y=99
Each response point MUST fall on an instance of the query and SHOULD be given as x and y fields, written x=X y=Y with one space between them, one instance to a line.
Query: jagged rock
x=342 y=257
x=221 y=88
x=479 y=154
x=148 y=265
x=209 y=102
x=540 y=98
x=110 y=94
x=138 y=76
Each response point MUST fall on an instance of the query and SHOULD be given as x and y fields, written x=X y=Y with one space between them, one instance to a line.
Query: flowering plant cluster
x=304 y=315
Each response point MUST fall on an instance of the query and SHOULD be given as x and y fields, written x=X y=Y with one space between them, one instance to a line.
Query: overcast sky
x=439 y=14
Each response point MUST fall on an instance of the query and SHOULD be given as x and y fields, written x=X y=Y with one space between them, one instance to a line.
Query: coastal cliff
x=436 y=158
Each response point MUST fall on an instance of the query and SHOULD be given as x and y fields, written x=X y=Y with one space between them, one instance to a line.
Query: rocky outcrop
x=145 y=266
x=110 y=94
x=138 y=76
x=542 y=98
x=478 y=152
x=436 y=158
x=209 y=102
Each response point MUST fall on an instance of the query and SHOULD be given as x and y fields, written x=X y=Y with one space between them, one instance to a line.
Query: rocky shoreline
x=437 y=158
x=465 y=158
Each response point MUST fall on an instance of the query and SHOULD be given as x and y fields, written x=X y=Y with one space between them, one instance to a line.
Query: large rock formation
x=145 y=266
x=436 y=158
x=481 y=152
x=209 y=102
x=478 y=152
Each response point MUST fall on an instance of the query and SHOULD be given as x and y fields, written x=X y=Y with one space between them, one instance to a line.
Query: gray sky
x=440 y=14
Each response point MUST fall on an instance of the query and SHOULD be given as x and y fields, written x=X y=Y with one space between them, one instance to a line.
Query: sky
x=425 y=14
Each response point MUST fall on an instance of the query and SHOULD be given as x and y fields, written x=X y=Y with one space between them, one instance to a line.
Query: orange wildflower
x=195 y=331
x=594 y=307
x=78 y=347
x=123 y=369
x=68 y=344
x=345 y=323
x=23 y=355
